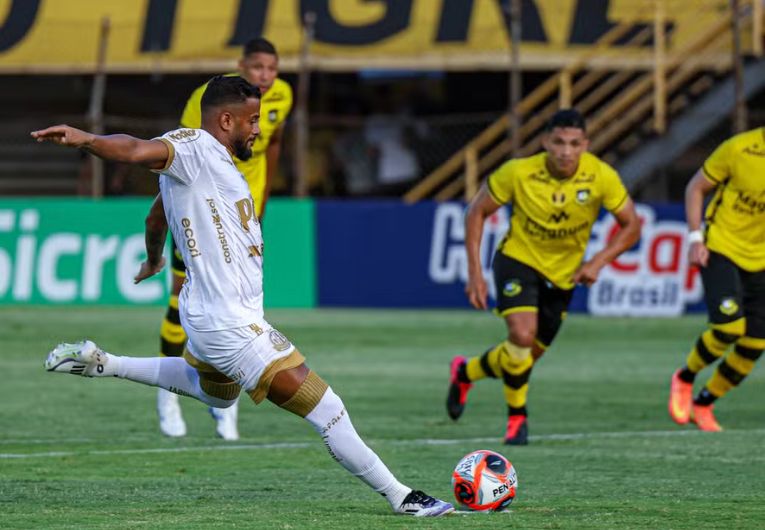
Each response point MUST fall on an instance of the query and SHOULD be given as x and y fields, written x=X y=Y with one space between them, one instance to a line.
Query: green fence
x=82 y=251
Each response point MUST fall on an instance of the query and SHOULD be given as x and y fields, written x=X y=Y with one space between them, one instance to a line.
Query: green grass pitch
x=87 y=453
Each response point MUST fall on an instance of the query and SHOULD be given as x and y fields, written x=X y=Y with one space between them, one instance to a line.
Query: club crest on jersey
x=512 y=288
x=728 y=306
x=558 y=198
x=279 y=341
x=582 y=196
x=273 y=115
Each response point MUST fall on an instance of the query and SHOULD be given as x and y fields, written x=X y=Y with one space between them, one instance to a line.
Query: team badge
x=272 y=115
x=279 y=341
x=582 y=196
x=728 y=306
x=512 y=288
x=558 y=197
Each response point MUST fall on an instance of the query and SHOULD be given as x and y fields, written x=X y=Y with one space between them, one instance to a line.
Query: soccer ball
x=484 y=481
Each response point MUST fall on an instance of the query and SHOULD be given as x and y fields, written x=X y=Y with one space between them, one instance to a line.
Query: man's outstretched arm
x=117 y=147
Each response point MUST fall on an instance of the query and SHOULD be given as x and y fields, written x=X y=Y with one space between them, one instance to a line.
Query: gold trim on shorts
x=293 y=360
x=211 y=380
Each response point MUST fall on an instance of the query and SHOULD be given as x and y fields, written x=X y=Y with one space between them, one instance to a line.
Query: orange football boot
x=704 y=418
x=680 y=399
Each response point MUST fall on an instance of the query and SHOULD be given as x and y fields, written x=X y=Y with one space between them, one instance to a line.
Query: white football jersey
x=211 y=214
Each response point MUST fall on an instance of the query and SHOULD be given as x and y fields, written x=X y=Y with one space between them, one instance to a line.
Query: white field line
x=307 y=445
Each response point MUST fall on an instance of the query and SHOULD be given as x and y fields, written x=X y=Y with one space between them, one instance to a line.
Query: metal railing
x=615 y=101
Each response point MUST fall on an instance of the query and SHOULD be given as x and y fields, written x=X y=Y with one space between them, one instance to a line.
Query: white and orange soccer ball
x=484 y=481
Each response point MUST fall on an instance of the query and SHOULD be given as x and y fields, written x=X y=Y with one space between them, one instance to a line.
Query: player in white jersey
x=231 y=346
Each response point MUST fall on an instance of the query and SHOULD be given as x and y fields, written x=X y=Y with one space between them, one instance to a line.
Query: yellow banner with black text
x=51 y=36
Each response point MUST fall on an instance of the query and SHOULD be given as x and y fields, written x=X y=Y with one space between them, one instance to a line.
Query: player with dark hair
x=556 y=196
x=731 y=255
x=230 y=346
x=259 y=65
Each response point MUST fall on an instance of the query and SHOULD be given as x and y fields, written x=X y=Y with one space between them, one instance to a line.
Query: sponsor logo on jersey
x=188 y=233
x=279 y=341
x=728 y=306
x=558 y=217
x=184 y=135
x=219 y=230
x=246 y=210
x=582 y=196
x=512 y=288
x=749 y=203
x=273 y=115
x=256 y=329
x=539 y=231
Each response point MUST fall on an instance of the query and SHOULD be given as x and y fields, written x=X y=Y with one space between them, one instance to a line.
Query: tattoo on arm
x=155 y=243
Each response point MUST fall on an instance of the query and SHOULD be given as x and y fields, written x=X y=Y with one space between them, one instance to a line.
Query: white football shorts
x=242 y=354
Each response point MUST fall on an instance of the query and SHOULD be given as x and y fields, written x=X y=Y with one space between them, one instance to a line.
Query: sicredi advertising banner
x=82 y=251
x=74 y=251
x=385 y=254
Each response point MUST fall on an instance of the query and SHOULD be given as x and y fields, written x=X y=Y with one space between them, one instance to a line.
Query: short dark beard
x=241 y=151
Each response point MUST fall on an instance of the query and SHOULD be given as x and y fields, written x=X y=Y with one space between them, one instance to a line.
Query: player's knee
x=523 y=337
x=307 y=396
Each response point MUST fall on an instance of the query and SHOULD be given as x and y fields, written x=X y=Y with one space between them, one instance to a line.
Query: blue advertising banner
x=377 y=254
x=387 y=254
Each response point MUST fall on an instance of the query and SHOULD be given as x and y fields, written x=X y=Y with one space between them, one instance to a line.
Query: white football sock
x=330 y=419
x=171 y=373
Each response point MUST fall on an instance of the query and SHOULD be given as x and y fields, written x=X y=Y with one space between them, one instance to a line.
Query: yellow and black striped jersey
x=551 y=218
x=735 y=217
x=275 y=105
